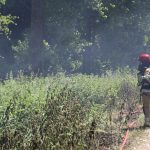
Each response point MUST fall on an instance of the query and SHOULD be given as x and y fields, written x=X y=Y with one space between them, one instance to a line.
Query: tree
x=5 y=20
x=37 y=32
x=6 y=54
x=81 y=35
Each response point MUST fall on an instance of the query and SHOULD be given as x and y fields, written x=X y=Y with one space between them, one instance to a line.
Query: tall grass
x=60 y=112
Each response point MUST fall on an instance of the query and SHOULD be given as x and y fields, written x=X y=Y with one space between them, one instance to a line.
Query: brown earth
x=140 y=141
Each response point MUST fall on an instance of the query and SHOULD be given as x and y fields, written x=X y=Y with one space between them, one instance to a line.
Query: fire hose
x=130 y=125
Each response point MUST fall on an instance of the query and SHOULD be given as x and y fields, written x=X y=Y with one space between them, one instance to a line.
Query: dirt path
x=141 y=141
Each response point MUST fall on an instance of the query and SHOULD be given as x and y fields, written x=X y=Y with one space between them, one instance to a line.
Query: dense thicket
x=88 y=36
x=81 y=112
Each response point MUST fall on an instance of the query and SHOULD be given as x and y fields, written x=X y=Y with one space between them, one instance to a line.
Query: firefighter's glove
x=146 y=77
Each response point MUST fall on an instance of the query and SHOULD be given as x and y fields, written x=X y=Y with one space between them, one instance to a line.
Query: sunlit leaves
x=4 y=22
x=2 y=2
x=99 y=6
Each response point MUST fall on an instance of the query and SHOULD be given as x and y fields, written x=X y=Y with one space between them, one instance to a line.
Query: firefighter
x=144 y=83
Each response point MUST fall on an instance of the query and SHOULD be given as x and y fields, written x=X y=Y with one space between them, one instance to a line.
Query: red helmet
x=144 y=57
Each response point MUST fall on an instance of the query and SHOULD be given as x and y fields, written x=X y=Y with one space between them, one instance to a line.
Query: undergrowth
x=59 y=112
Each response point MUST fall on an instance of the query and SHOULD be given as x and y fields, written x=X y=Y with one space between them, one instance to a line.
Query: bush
x=60 y=112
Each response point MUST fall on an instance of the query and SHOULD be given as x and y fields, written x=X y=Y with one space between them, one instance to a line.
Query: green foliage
x=56 y=112
x=20 y=50
x=83 y=36
x=99 y=6
x=2 y=2
x=5 y=20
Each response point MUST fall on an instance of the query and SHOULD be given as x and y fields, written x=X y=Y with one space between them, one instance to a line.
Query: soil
x=141 y=141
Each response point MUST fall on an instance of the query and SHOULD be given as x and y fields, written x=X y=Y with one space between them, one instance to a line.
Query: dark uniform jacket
x=142 y=80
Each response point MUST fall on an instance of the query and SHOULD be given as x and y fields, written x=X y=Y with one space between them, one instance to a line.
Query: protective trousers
x=146 y=108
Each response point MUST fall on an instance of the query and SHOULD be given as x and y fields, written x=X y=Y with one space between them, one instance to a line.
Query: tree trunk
x=37 y=27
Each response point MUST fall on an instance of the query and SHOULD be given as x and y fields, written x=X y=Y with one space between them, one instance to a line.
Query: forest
x=68 y=72
x=82 y=36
